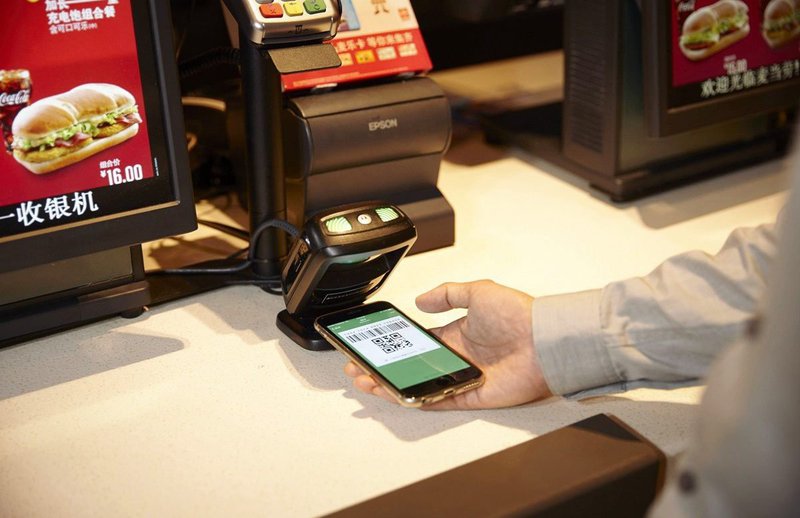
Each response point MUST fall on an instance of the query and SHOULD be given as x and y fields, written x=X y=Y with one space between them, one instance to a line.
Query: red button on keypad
x=271 y=10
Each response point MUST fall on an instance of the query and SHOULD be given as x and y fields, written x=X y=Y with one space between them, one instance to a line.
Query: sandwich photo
x=63 y=129
x=733 y=22
x=713 y=28
x=781 y=22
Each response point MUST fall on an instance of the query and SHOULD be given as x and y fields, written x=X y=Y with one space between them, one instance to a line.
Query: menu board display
x=723 y=47
x=80 y=114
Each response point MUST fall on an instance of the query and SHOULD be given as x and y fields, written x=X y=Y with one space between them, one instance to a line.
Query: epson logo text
x=383 y=125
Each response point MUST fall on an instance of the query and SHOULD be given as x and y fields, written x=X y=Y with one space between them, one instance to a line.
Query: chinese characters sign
x=53 y=209
x=721 y=47
x=375 y=39
x=65 y=16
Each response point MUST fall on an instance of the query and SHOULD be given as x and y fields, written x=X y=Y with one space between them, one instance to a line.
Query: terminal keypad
x=283 y=20
x=271 y=9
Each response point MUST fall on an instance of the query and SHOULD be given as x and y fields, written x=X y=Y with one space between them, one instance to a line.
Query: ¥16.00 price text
x=119 y=175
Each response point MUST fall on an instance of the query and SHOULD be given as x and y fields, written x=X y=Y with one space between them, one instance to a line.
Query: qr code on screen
x=391 y=343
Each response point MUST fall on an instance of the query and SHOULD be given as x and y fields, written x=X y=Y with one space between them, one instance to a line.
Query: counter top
x=201 y=407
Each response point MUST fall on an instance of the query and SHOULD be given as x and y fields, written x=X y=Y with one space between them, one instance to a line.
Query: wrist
x=569 y=344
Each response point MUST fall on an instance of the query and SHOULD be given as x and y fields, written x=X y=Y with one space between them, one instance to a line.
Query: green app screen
x=397 y=348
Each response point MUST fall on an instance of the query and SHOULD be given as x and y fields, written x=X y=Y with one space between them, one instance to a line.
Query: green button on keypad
x=314 y=6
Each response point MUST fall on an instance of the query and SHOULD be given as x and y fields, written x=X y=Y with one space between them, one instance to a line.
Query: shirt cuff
x=571 y=347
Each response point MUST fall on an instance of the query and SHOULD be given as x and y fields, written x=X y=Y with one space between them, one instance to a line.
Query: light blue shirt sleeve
x=742 y=459
x=660 y=330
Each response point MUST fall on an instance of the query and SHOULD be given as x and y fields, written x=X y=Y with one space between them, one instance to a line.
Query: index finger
x=450 y=295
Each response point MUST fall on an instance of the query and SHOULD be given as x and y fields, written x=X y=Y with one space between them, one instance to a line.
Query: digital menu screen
x=725 y=47
x=80 y=114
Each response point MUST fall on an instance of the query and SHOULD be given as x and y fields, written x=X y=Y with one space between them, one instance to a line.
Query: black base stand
x=127 y=301
x=301 y=330
x=538 y=131
x=46 y=299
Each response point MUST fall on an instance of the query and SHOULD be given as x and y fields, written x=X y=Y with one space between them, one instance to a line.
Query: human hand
x=496 y=335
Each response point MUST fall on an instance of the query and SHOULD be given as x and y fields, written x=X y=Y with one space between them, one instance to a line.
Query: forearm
x=666 y=326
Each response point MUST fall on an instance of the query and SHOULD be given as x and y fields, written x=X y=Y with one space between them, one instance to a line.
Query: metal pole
x=263 y=102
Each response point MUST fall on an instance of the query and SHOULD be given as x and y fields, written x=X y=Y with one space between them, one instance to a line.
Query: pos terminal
x=341 y=257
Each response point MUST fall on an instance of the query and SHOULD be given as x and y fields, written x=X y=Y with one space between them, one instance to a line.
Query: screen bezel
x=131 y=227
x=415 y=394
x=657 y=71
x=492 y=29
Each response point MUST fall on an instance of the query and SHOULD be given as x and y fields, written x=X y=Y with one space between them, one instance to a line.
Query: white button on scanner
x=364 y=219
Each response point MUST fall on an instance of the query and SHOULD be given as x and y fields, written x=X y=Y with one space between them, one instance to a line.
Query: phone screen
x=397 y=348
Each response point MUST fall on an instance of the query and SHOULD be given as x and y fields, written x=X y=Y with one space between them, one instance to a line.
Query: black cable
x=274 y=291
x=208 y=59
x=279 y=223
x=228 y=229
x=185 y=32
x=272 y=286
x=244 y=265
x=237 y=253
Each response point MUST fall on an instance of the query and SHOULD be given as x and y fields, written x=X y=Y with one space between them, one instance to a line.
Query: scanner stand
x=262 y=91
x=300 y=328
x=262 y=157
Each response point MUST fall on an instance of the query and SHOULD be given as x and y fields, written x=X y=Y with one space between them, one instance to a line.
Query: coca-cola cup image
x=15 y=94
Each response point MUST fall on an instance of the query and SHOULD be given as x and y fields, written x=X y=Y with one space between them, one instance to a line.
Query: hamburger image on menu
x=710 y=29
x=781 y=22
x=63 y=129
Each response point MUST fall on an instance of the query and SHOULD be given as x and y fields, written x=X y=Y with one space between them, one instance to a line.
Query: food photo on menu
x=781 y=22
x=724 y=47
x=710 y=29
x=74 y=123
x=64 y=129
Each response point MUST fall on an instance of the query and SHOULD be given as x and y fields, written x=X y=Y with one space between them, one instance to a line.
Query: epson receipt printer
x=383 y=141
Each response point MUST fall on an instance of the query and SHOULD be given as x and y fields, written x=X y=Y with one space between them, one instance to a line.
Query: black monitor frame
x=657 y=65
x=131 y=227
x=459 y=34
x=600 y=131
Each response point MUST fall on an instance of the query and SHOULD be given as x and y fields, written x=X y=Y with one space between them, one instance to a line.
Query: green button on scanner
x=338 y=224
x=387 y=214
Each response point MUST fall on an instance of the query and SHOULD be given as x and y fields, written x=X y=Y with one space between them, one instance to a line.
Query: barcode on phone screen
x=375 y=331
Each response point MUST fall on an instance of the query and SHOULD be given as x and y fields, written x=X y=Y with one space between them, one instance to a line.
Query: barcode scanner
x=341 y=258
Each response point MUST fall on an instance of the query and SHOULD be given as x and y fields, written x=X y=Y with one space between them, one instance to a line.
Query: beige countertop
x=201 y=407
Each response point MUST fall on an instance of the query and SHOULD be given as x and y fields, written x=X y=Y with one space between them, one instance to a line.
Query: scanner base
x=301 y=330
